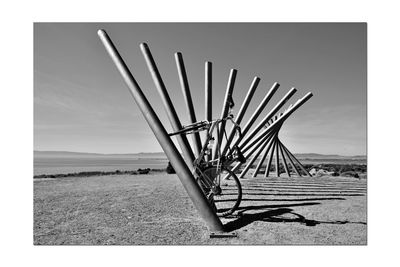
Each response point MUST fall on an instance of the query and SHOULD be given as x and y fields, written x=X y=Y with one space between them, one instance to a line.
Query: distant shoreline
x=98 y=173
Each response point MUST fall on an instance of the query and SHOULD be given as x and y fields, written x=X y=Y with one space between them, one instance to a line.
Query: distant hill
x=67 y=154
x=322 y=156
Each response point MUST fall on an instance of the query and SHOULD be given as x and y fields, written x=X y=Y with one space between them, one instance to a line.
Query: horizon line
x=130 y=153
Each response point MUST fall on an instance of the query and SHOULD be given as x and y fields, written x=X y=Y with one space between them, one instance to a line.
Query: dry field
x=155 y=210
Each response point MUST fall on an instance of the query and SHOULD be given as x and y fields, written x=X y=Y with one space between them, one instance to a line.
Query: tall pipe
x=283 y=158
x=188 y=100
x=192 y=188
x=225 y=107
x=241 y=112
x=208 y=98
x=168 y=106
x=269 y=116
x=257 y=112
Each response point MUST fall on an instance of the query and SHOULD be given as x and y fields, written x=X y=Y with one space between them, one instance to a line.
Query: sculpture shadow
x=277 y=216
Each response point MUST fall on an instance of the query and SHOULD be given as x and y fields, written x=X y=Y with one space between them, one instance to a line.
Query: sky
x=82 y=104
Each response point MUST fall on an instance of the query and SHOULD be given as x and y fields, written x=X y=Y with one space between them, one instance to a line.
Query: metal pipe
x=283 y=158
x=241 y=112
x=188 y=100
x=281 y=119
x=291 y=162
x=277 y=157
x=208 y=98
x=266 y=173
x=298 y=162
x=257 y=112
x=264 y=144
x=238 y=164
x=262 y=159
x=168 y=106
x=226 y=107
x=269 y=116
x=208 y=91
x=266 y=131
x=192 y=188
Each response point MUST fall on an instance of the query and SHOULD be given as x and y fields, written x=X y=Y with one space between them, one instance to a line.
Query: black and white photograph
x=187 y=133
x=210 y=133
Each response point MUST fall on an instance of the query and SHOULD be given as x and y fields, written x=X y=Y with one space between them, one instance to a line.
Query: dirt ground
x=154 y=209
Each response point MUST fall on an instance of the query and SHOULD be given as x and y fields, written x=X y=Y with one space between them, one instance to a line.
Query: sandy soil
x=155 y=210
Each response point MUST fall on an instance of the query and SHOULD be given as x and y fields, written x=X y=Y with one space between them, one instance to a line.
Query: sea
x=60 y=165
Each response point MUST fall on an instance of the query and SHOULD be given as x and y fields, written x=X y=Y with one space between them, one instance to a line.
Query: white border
x=17 y=130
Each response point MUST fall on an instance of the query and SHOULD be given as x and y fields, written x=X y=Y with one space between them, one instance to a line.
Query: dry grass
x=155 y=210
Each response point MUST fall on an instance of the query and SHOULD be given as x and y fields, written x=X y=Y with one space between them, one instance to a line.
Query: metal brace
x=223 y=235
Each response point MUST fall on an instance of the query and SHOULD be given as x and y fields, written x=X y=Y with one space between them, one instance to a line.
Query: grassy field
x=154 y=209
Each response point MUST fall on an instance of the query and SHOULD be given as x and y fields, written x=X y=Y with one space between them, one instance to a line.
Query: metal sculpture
x=252 y=141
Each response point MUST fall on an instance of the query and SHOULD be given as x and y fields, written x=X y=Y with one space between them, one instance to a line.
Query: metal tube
x=283 y=158
x=291 y=162
x=225 y=107
x=277 y=158
x=262 y=159
x=246 y=169
x=265 y=132
x=266 y=173
x=188 y=100
x=257 y=112
x=208 y=91
x=208 y=97
x=269 y=116
x=238 y=164
x=241 y=112
x=168 y=106
x=279 y=120
x=298 y=162
x=182 y=170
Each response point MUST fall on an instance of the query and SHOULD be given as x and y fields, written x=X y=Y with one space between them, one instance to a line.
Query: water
x=46 y=165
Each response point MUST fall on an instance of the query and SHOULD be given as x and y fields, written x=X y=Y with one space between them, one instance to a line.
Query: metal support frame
x=252 y=141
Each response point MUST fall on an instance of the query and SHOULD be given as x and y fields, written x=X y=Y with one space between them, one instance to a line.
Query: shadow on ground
x=278 y=216
x=255 y=192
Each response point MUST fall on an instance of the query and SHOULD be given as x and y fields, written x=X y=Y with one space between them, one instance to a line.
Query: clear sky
x=81 y=103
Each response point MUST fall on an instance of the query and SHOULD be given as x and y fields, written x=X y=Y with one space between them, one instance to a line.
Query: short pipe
x=297 y=161
x=246 y=169
x=266 y=173
x=262 y=159
x=277 y=157
x=291 y=161
x=283 y=159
